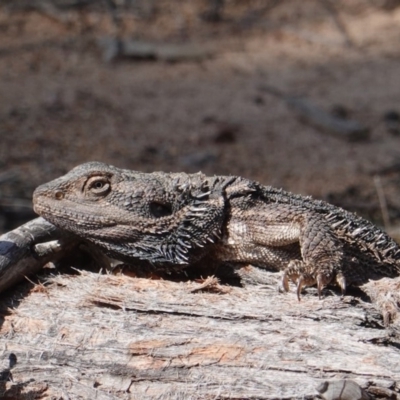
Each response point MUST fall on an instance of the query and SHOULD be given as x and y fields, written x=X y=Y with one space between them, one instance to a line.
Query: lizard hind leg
x=321 y=253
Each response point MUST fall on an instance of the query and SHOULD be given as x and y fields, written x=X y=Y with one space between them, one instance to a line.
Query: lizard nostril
x=59 y=195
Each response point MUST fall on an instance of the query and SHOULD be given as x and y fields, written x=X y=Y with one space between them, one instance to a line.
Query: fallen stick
x=113 y=48
x=341 y=26
x=8 y=175
x=26 y=249
x=51 y=12
x=311 y=114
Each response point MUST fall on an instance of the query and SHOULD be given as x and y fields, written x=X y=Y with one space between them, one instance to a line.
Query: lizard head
x=95 y=195
x=156 y=216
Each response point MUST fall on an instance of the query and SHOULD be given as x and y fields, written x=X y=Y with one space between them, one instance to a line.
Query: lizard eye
x=59 y=195
x=160 y=210
x=99 y=185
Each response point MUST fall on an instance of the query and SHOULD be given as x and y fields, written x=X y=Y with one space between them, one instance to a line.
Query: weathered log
x=116 y=337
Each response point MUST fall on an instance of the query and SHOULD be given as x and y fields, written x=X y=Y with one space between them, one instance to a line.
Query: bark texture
x=109 y=336
x=118 y=337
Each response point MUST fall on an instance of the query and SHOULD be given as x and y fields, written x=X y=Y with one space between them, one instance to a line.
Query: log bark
x=116 y=337
x=109 y=336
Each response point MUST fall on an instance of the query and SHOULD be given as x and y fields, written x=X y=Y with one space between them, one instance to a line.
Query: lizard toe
x=292 y=272
x=323 y=279
x=285 y=282
x=304 y=280
x=341 y=281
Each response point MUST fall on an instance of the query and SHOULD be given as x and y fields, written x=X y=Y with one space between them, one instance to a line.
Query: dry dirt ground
x=62 y=104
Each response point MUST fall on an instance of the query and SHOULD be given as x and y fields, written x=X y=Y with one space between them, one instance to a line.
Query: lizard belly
x=276 y=258
x=272 y=246
x=257 y=231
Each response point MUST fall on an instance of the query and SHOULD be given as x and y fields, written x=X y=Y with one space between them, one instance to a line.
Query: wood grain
x=118 y=337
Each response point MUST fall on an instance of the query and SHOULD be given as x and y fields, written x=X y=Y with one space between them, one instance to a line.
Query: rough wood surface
x=118 y=337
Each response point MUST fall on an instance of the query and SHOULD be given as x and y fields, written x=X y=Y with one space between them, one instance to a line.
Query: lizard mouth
x=68 y=215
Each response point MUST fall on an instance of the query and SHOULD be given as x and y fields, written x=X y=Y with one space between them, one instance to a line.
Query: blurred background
x=303 y=95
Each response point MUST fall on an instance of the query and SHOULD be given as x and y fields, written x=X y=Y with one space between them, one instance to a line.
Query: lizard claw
x=341 y=281
x=322 y=280
x=306 y=280
x=320 y=286
x=285 y=282
x=292 y=272
x=300 y=284
x=305 y=275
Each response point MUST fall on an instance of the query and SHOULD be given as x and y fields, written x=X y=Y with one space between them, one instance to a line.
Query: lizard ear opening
x=160 y=210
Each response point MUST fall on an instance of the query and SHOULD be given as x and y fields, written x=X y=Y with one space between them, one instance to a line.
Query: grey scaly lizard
x=177 y=219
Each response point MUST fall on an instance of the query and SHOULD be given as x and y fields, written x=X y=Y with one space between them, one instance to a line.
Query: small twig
x=382 y=201
x=215 y=11
x=211 y=284
x=50 y=11
x=313 y=37
x=15 y=203
x=29 y=5
x=18 y=257
x=254 y=15
x=389 y=169
x=9 y=175
x=115 y=16
x=338 y=22
x=317 y=117
x=48 y=43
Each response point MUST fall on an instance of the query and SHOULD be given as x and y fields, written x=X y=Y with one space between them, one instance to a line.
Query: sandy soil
x=61 y=104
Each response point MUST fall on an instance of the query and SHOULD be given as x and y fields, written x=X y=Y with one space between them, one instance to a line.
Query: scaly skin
x=176 y=219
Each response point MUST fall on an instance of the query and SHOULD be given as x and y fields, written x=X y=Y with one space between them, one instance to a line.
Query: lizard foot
x=302 y=274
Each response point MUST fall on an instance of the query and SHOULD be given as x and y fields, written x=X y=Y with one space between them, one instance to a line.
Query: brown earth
x=62 y=104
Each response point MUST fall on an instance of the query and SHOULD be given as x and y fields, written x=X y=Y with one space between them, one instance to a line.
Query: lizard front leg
x=280 y=229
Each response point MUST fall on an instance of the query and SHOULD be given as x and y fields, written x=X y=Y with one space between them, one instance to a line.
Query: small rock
x=110 y=48
x=340 y=111
x=215 y=11
x=226 y=133
x=342 y=390
x=392 y=122
x=183 y=52
x=209 y=119
x=197 y=160
x=149 y=153
x=259 y=100
x=139 y=49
